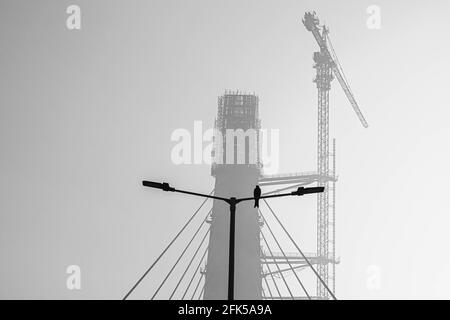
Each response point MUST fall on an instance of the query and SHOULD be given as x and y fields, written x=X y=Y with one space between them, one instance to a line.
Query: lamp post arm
x=300 y=191
x=202 y=195
x=268 y=196
x=166 y=187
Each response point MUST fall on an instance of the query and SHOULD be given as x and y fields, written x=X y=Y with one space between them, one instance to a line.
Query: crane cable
x=338 y=63
x=201 y=292
x=196 y=287
x=271 y=275
x=267 y=285
x=301 y=252
x=284 y=255
x=195 y=273
x=189 y=264
x=278 y=267
x=181 y=255
x=165 y=250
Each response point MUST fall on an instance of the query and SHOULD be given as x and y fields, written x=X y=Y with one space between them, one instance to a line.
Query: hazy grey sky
x=86 y=114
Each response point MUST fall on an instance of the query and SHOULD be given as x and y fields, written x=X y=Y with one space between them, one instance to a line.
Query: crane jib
x=350 y=96
x=311 y=23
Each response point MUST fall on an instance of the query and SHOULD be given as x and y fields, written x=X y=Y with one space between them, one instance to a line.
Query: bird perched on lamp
x=257 y=195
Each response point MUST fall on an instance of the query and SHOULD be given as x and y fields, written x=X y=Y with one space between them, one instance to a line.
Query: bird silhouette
x=257 y=195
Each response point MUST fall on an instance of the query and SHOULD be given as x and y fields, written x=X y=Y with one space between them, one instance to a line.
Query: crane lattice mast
x=327 y=67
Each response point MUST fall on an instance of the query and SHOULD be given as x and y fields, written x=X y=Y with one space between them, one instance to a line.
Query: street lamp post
x=232 y=202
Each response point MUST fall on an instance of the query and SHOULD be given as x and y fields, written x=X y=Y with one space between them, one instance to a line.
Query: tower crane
x=329 y=57
x=327 y=67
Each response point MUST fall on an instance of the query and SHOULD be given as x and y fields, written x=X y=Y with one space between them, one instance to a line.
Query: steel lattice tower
x=327 y=66
x=323 y=80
